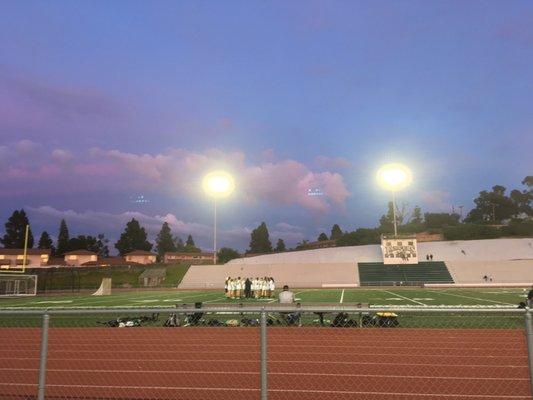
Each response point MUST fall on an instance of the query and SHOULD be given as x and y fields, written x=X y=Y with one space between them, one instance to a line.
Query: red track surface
x=304 y=363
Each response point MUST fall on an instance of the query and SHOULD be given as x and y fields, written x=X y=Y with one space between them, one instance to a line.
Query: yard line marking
x=403 y=297
x=342 y=296
x=473 y=298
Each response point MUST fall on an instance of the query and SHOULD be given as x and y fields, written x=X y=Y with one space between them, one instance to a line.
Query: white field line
x=453 y=365
x=129 y=371
x=230 y=389
x=403 y=297
x=342 y=296
x=125 y=301
x=473 y=298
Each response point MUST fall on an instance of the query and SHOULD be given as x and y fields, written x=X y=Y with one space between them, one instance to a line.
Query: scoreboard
x=399 y=250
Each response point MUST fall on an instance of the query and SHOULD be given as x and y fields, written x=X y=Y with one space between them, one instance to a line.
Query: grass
x=414 y=297
x=77 y=278
x=387 y=297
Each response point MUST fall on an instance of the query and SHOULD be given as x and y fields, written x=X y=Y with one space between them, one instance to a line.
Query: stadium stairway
x=423 y=272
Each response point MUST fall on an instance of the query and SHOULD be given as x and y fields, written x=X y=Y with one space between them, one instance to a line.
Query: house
x=152 y=276
x=76 y=258
x=107 y=262
x=178 y=257
x=140 y=257
x=14 y=258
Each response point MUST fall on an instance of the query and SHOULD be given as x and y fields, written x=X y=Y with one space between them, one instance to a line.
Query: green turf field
x=414 y=297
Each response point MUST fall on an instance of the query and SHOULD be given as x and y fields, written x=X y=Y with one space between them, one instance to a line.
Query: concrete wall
x=294 y=275
x=314 y=268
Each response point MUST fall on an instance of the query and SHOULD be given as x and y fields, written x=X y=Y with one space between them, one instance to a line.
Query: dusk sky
x=105 y=101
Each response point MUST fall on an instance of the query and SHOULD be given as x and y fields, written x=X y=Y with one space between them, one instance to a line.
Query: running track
x=304 y=363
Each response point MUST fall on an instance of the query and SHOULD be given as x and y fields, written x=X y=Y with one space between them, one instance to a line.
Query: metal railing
x=287 y=338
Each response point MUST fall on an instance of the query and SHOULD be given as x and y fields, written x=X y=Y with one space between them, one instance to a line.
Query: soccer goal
x=18 y=285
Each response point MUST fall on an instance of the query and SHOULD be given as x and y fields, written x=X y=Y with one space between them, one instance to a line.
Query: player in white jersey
x=272 y=286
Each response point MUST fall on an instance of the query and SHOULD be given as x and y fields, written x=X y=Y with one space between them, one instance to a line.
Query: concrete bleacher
x=423 y=272
x=307 y=275
x=466 y=260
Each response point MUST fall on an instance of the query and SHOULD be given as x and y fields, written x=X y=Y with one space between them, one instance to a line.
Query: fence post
x=43 y=356
x=264 y=356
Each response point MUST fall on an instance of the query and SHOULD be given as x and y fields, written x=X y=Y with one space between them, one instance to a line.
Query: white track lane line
x=283 y=390
x=342 y=296
x=135 y=371
x=403 y=297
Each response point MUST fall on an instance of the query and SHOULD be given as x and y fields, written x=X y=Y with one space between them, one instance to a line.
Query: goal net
x=18 y=285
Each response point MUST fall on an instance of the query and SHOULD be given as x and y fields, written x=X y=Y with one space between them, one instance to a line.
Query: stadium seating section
x=424 y=272
x=462 y=262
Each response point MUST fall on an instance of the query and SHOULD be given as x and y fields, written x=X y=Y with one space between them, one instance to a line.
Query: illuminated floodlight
x=394 y=177
x=218 y=184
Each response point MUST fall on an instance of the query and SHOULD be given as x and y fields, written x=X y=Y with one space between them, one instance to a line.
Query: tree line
x=134 y=237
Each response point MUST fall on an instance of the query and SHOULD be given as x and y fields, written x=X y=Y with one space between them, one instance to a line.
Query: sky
x=103 y=102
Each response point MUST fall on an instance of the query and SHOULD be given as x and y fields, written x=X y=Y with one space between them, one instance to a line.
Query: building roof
x=81 y=253
x=140 y=253
x=153 y=273
x=109 y=261
x=184 y=253
x=17 y=252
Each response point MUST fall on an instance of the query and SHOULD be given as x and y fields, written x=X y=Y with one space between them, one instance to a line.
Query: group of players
x=239 y=288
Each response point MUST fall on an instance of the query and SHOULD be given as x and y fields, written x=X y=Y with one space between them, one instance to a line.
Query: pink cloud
x=282 y=182
x=180 y=171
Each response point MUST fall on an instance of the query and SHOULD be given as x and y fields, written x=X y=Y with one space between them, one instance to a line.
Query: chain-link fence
x=277 y=352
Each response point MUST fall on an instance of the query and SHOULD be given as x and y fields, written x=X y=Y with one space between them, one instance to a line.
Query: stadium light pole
x=394 y=177
x=217 y=184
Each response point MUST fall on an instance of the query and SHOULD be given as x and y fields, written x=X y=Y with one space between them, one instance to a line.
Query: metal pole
x=43 y=356
x=394 y=213
x=25 y=257
x=264 y=356
x=215 y=236
x=529 y=339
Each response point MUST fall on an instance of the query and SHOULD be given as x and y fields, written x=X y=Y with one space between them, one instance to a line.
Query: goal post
x=18 y=285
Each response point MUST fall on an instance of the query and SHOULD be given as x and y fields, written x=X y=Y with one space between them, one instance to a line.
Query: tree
x=190 y=247
x=96 y=244
x=133 y=238
x=164 y=241
x=523 y=200
x=16 y=231
x=470 y=231
x=280 y=246
x=45 y=242
x=226 y=254
x=386 y=222
x=440 y=220
x=102 y=245
x=416 y=216
x=359 y=237
x=62 y=239
x=493 y=207
x=336 y=232
x=304 y=244
x=179 y=244
x=259 y=241
x=322 y=237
